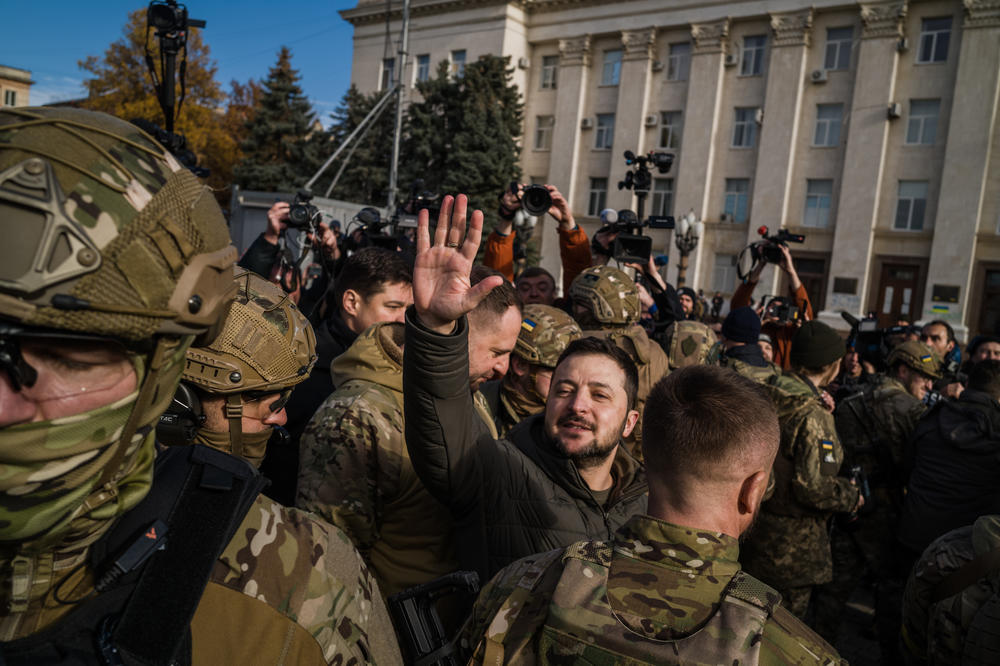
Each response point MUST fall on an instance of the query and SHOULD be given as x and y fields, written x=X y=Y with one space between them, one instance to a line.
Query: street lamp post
x=686 y=236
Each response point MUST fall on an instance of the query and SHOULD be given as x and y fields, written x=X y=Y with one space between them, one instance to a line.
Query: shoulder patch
x=826 y=451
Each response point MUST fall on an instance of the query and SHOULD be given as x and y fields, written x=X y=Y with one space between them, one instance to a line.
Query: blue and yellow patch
x=826 y=449
x=528 y=325
x=926 y=358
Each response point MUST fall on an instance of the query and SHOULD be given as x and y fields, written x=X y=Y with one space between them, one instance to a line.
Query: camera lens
x=536 y=200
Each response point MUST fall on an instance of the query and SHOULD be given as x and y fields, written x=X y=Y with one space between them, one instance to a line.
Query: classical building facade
x=15 y=86
x=868 y=127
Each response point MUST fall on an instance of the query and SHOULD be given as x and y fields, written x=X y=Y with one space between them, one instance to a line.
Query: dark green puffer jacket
x=510 y=497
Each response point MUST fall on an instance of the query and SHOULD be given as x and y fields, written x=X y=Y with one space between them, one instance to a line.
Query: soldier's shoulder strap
x=512 y=628
x=746 y=588
x=153 y=565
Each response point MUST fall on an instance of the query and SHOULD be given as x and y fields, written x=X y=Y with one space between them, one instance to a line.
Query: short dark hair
x=367 y=271
x=498 y=301
x=603 y=347
x=947 y=327
x=535 y=271
x=985 y=377
x=701 y=419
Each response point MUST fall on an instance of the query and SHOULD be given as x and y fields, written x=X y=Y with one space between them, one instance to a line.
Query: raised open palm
x=442 y=292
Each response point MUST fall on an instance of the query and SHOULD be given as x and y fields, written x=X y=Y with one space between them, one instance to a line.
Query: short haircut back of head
x=985 y=377
x=708 y=423
x=499 y=300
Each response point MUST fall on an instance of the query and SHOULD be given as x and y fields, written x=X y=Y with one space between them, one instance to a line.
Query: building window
x=458 y=63
x=819 y=193
x=737 y=198
x=671 y=126
x=752 y=63
x=679 y=62
x=828 y=124
x=921 y=129
x=543 y=132
x=911 y=205
x=935 y=33
x=745 y=127
x=612 y=67
x=550 y=70
x=663 y=196
x=605 y=131
x=598 y=194
x=838 y=48
x=388 y=73
x=10 y=98
x=423 y=67
x=724 y=276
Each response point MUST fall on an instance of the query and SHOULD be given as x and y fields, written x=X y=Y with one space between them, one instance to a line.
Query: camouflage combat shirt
x=290 y=589
x=659 y=593
x=355 y=470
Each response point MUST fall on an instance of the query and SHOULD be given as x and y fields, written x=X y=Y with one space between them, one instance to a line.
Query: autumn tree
x=120 y=84
x=278 y=155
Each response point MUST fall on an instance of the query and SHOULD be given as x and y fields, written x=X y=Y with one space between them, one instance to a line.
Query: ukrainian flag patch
x=826 y=448
x=926 y=358
x=528 y=325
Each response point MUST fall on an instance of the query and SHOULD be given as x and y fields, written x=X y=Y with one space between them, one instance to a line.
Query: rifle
x=418 y=626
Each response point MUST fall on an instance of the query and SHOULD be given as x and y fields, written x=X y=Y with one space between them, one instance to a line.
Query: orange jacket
x=781 y=335
x=574 y=251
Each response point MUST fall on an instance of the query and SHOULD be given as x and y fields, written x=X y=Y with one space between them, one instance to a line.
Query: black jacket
x=749 y=354
x=510 y=497
x=956 y=469
x=281 y=464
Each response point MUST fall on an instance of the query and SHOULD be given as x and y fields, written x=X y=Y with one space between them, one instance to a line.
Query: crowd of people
x=205 y=461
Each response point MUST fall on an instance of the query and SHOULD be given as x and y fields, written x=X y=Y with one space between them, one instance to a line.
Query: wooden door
x=897 y=293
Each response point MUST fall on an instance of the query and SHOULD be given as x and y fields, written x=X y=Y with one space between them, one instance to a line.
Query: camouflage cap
x=104 y=231
x=918 y=356
x=266 y=344
x=608 y=294
x=545 y=333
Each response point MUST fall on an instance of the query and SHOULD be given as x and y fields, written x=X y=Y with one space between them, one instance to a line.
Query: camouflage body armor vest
x=730 y=636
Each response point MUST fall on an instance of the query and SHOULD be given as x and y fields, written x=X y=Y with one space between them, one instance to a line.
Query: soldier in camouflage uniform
x=740 y=332
x=951 y=609
x=606 y=305
x=235 y=389
x=874 y=427
x=118 y=258
x=545 y=333
x=789 y=547
x=668 y=588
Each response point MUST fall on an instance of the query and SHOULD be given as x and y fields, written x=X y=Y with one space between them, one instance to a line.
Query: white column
x=630 y=114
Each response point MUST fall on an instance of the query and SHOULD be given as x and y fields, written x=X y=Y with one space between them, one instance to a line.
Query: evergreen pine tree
x=366 y=176
x=276 y=154
x=463 y=134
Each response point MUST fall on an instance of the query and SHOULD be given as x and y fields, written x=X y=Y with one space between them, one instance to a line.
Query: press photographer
x=780 y=321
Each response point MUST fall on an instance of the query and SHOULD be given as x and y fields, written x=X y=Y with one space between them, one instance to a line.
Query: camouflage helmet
x=608 y=294
x=266 y=344
x=105 y=232
x=107 y=236
x=545 y=333
x=918 y=356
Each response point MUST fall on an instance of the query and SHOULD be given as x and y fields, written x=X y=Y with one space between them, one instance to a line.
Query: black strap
x=969 y=573
x=213 y=500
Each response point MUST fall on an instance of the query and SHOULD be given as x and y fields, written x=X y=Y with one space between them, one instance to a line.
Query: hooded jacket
x=510 y=497
x=355 y=471
x=956 y=469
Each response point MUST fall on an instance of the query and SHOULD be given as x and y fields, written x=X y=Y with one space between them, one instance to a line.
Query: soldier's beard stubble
x=595 y=453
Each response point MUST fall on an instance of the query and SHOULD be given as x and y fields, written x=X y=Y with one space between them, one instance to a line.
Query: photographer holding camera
x=780 y=330
x=574 y=248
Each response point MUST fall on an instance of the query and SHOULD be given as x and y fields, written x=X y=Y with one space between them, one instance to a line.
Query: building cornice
x=574 y=51
x=373 y=11
x=710 y=37
x=16 y=74
x=638 y=43
x=792 y=28
x=884 y=19
x=981 y=14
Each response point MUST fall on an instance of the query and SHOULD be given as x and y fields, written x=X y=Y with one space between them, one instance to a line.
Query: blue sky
x=48 y=37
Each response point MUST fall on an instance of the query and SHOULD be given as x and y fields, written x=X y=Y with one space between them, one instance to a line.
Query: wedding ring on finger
x=452 y=244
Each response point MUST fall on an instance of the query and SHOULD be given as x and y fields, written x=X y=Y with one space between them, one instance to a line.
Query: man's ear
x=519 y=366
x=630 y=422
x=351 y=302
x=752 y=494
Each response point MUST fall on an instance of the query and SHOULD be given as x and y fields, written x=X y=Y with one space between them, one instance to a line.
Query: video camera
x=780 y=309
x=767 y=250
x=871 y=342
x=631 y=245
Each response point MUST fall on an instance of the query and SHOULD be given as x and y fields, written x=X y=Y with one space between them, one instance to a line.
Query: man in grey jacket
x=558 y=477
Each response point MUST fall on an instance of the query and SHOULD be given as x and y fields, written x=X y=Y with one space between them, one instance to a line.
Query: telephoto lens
x=536 y=200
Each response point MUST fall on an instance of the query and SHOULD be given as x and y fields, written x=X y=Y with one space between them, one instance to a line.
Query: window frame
x=423 y=69
x=662 y=201
x=736 y=195
x=932 y=36
x=544 y=127
x=594 y=207
x=823 y=219
x=674 y=130
x=388 y=68
x=729 y=272
x=550 y=73
x=922 y=120
x=458 y=64
x=10 y=98
x=757 y=63
x=679 y=64
x=749 y=125
x=912 y=206
x=616 y=68
x=605 y=131
x=841 y=46
x=828 y=124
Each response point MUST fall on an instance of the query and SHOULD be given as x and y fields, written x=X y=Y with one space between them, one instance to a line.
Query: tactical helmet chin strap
x=234 y=412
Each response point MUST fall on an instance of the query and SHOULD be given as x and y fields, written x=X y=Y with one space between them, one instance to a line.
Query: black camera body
x=535 y=199
x=302 y=214
x=765 y=251
x=871 y=342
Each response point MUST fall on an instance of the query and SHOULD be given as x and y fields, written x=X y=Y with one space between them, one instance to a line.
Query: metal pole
x=404 y=45
x=376 y=110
